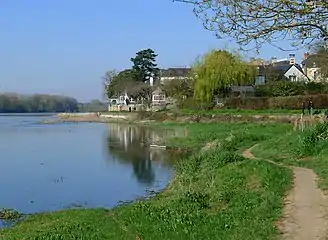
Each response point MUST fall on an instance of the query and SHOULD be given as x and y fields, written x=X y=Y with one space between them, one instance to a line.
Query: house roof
x=175 y=72
x=279 y=68
x=257 y=62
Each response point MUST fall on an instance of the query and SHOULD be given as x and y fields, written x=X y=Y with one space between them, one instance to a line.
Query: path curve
x=305 y=214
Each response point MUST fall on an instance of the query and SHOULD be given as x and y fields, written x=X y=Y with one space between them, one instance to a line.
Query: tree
x=217 y=70
x=118 y=83
x=264 y=21
x=109 y=82
x=179 y=88
x=134 y=81
x=144 y=65
x=14 y=103
x=320 y=57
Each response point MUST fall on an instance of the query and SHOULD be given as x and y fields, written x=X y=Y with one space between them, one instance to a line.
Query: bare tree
x=264 y=21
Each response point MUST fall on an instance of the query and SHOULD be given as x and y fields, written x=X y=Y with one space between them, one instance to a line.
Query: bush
x=292 y=102
x=193 y=104
x=287 y=88
x=311 y=142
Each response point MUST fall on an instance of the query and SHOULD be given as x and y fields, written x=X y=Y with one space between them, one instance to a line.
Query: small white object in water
x=157 y=146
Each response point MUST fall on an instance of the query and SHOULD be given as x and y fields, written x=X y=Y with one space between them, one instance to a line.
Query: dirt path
x=305 y=215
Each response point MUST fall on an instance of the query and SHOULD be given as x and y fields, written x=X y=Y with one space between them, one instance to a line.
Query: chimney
x=273 y=60
x=291 y=59
x=151 y=81
x=306 y=55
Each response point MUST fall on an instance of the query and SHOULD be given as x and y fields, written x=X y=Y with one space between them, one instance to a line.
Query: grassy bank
x=216 y=194
x=308 y=149
x=247 y=112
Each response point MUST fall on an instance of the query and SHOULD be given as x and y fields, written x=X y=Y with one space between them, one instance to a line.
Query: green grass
x=241 y=112
x=302 y=149
x=214 y=195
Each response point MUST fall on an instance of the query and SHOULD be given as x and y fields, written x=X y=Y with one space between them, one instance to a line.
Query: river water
x=58 y=166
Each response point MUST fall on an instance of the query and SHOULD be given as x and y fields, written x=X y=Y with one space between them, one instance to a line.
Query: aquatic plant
x=9 y=214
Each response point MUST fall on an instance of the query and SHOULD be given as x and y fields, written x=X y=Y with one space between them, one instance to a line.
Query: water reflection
x=129 y=144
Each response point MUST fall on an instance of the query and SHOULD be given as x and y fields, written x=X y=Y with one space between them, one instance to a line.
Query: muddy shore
x=167 y=117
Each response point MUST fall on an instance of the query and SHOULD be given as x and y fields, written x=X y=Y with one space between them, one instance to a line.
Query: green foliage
x=217 y=70
x=144 y=65
x=9 y=214
x=288 y=88
x=292 y=102
x=93 y=106
x=38 y=103
x=280 y=89
x=118 y=83
x=133 y=81
x=312 y=140
x=195 y=104
x=236 y=111
x=179 y=88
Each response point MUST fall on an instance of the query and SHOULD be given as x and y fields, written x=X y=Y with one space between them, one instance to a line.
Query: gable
x=295 y=71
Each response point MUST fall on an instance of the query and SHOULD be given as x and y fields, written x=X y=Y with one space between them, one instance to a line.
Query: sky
x=65 y=47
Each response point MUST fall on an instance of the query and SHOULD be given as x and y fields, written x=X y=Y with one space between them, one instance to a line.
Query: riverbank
x=216 y=194
x=181 y=117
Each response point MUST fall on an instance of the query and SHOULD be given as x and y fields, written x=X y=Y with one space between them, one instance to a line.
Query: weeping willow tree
x=216 y=71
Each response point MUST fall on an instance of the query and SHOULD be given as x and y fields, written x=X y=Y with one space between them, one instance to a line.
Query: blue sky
x=64 y=47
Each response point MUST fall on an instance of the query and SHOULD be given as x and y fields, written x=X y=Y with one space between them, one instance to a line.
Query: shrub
x=292 y=102
x=311 y=141
x=193 y=104
x=287 y=88
x=9 y=214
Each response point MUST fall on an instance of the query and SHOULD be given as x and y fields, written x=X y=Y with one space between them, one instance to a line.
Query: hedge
x=293 y=102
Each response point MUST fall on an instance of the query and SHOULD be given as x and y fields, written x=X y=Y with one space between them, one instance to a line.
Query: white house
x=121 y=100
x=295 y=74
x=311 y=67
x=281 y=69
x=158 y=96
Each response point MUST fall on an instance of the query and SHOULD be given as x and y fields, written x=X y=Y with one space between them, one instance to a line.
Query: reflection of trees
x=130 y=145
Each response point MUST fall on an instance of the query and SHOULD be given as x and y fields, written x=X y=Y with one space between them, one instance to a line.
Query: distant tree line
x=38 y=103
x=93 y=106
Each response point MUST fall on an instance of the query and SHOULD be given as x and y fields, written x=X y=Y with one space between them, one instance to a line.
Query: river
x=59 y=166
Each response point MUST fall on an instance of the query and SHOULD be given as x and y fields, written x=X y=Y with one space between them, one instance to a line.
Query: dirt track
x=305 y=212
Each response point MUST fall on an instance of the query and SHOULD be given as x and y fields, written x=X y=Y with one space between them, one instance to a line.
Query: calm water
x=58 y=166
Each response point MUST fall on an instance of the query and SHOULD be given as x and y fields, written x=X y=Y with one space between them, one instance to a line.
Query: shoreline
x=136 y=117
x=177 y=202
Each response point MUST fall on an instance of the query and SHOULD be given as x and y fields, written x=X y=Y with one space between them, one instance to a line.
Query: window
x=159 y=97
x=292 y=78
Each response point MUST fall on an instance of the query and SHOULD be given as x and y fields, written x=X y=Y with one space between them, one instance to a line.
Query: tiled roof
x=279 y=68
x=175 y=72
